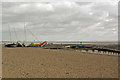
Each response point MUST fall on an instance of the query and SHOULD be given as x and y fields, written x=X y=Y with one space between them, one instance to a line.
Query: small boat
x=68 y=46
x=19 y=44
x=80 y=46
x=33 y=45
x=10 y=45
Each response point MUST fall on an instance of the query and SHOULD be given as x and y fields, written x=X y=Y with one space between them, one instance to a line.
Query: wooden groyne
x=99 y=51
x=91 y=49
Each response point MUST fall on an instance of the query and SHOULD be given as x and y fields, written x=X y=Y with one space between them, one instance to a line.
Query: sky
x=0 y=22
x=60 y=21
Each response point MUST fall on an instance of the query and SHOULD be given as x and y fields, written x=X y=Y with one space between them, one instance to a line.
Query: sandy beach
x=53 y=63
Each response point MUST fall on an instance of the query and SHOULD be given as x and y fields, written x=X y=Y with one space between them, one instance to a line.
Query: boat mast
x=25 y=29
x=15 y=34
x=33 y=34
x=9 y=32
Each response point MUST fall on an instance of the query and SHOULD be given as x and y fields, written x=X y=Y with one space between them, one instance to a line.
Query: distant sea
x=65 y=42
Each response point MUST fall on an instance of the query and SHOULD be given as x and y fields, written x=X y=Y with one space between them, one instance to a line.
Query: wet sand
x=47 y=63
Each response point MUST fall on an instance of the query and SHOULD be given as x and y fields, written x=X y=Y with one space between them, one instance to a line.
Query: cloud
x=0 y=22
x=62 y=20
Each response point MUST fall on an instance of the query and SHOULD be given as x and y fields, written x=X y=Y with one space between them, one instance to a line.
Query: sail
x=42 y=44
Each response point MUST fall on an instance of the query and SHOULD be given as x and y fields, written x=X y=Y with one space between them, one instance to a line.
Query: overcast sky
x=67 y=20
